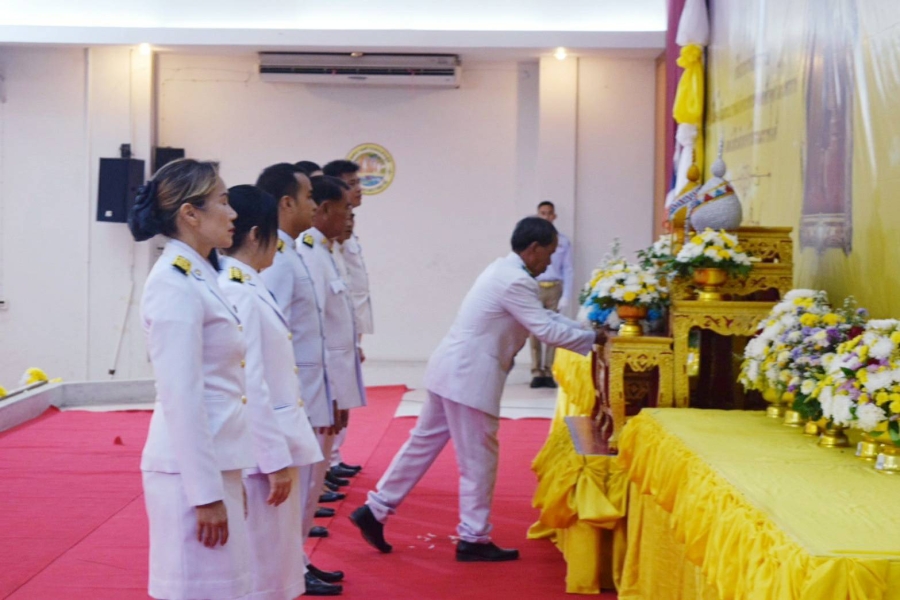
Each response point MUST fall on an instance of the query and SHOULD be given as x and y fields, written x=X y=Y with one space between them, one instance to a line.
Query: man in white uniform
x=555 y=291
x=465 y=379
x=289 y=281
x=358 y=283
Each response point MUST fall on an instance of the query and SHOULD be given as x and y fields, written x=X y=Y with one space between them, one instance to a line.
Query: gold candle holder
x=792 y=418
x=834 y=437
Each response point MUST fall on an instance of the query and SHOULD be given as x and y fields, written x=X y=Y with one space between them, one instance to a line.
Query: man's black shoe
x=339 y=471
x=331 y=478
x=356 y=468
x=326 y=576
x=469 y=552
x=331 y=497
x=324 y=513
x=372 y=531
x=331 y=486
x=549 y=383
x=317 y=587
x=537 y=382
x=318 y=531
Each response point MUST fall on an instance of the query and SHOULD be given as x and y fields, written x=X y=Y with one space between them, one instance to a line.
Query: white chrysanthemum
x=868 y=416
x=886 y=325
x=882 y=349
x=879 y=381
x=840 y=409
x=826 y=401
x=618 y=294
x=799 y=293
x=647 y=298
x=807 y=387
x=794 y=337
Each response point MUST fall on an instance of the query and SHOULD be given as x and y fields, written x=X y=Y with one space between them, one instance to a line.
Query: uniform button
x=240 y=327
x=290 y=336
x=296 y=370
x=243 y=399
x=243 y=363
x=300 y=402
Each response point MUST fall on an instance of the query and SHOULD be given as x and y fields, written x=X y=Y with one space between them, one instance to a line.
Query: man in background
x=555 y=293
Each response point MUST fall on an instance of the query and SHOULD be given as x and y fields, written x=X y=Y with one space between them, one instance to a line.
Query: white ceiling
x=479 y=28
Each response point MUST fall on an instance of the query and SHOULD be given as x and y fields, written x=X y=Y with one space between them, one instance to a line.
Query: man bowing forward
x=465 y=379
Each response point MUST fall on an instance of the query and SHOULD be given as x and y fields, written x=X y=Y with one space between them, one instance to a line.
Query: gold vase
x=777 y=406
x=792 y=418
x=709 y=282
x=888 y=460
x=631 y=319
x=833 y=436
x=811 y=428
x=867 y=448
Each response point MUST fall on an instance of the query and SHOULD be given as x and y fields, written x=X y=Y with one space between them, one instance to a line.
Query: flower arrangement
x=862 y=385
x=658 y=255
x=711 y=250
x=629 y=284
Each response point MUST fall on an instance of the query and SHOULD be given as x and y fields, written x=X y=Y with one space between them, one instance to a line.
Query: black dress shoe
x=537 y=382
x=324 y=513
x=331 y=497
x=372 y=530
x=549 y=383
x=331 y=486
x=469 y=552
x=317 y=587
x=340 y=471
x=318 y=531
x=326 y=576
x=356 y=468
x=331 y=478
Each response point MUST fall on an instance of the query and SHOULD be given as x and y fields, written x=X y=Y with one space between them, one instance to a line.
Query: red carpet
x=72 y=520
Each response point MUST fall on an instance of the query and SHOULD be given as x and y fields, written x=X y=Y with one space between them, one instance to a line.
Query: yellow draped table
x=732 y=505
x=582 y=499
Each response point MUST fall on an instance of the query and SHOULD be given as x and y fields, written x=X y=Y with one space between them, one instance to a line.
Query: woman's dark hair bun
x=143 y=220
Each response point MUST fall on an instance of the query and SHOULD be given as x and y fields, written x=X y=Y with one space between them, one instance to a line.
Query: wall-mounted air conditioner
x=358 y=68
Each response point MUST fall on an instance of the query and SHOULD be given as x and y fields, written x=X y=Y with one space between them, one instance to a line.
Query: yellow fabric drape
x=580 y=497
x=690 y=98
x=722 y=479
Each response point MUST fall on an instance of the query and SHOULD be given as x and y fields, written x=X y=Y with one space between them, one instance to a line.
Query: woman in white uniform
x=282 y=436
x=198 y=441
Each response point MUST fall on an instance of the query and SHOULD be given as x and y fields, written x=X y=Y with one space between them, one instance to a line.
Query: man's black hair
x=532 y=229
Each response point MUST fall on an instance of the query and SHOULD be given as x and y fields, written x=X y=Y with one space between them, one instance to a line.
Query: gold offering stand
x=631 y=373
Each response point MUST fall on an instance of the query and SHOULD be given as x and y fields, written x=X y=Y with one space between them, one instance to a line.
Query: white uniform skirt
x=276 y=540
x=182 y=568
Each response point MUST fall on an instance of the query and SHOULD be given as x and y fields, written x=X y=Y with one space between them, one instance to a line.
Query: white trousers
x=312 y=478
x=182 y=568
x=474 y=435
x=276 y=540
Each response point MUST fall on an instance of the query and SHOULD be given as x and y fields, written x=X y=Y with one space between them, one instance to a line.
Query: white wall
x=469 y=164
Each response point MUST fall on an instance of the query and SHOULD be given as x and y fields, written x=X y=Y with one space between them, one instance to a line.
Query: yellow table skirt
x=582 y=498
x=732 y=505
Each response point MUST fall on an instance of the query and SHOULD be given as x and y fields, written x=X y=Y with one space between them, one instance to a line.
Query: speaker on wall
x=120 y=179
x=161 y=156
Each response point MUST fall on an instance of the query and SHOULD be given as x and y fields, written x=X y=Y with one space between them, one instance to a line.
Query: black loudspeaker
x=119 y=180
x=161 y=156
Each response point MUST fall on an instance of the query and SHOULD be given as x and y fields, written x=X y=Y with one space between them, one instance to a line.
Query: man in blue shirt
x=555 y=293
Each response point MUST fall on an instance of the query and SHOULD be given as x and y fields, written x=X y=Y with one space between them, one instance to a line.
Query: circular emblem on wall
x=376 y=167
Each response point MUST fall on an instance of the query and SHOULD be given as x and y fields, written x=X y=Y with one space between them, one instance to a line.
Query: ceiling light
x=144 y=49
x=560 y=53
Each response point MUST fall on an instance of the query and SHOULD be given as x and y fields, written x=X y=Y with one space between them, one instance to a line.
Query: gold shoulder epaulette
x=182 y=264
x=309 y=240
x=236 y=274
x=281 y=245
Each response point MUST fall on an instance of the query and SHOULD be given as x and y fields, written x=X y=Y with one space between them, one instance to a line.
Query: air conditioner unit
x=358 y=68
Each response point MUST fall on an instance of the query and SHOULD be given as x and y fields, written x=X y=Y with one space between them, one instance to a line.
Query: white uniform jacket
x=290 y=282
x=280 y=429
x=196 y=345
x=341 y=353
x=471 y=363
x=358 y=282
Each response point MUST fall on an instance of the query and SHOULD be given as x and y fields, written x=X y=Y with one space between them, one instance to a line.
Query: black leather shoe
x=537 y=382
x=331 y=497
x=331 y=486
x=317 y=587
x=356 y=468
x=324 y=513
x=469 y=552
x=326 y=576
x=318 y=531
x=340 y=471
x=549 y=383
x=372 y=531
x=331 y=478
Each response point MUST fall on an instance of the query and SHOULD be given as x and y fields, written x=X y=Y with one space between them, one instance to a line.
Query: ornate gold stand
x=793 y=419
x=639 y=355
x=867 y=448
x=725 y=318
x=834 y=437
x=888 y=461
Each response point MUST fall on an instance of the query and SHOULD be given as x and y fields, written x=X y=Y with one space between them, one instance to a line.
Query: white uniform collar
x=318 y=236
x=200 y=265
x=517 y=260
x=288 y=240
x=230 y=261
